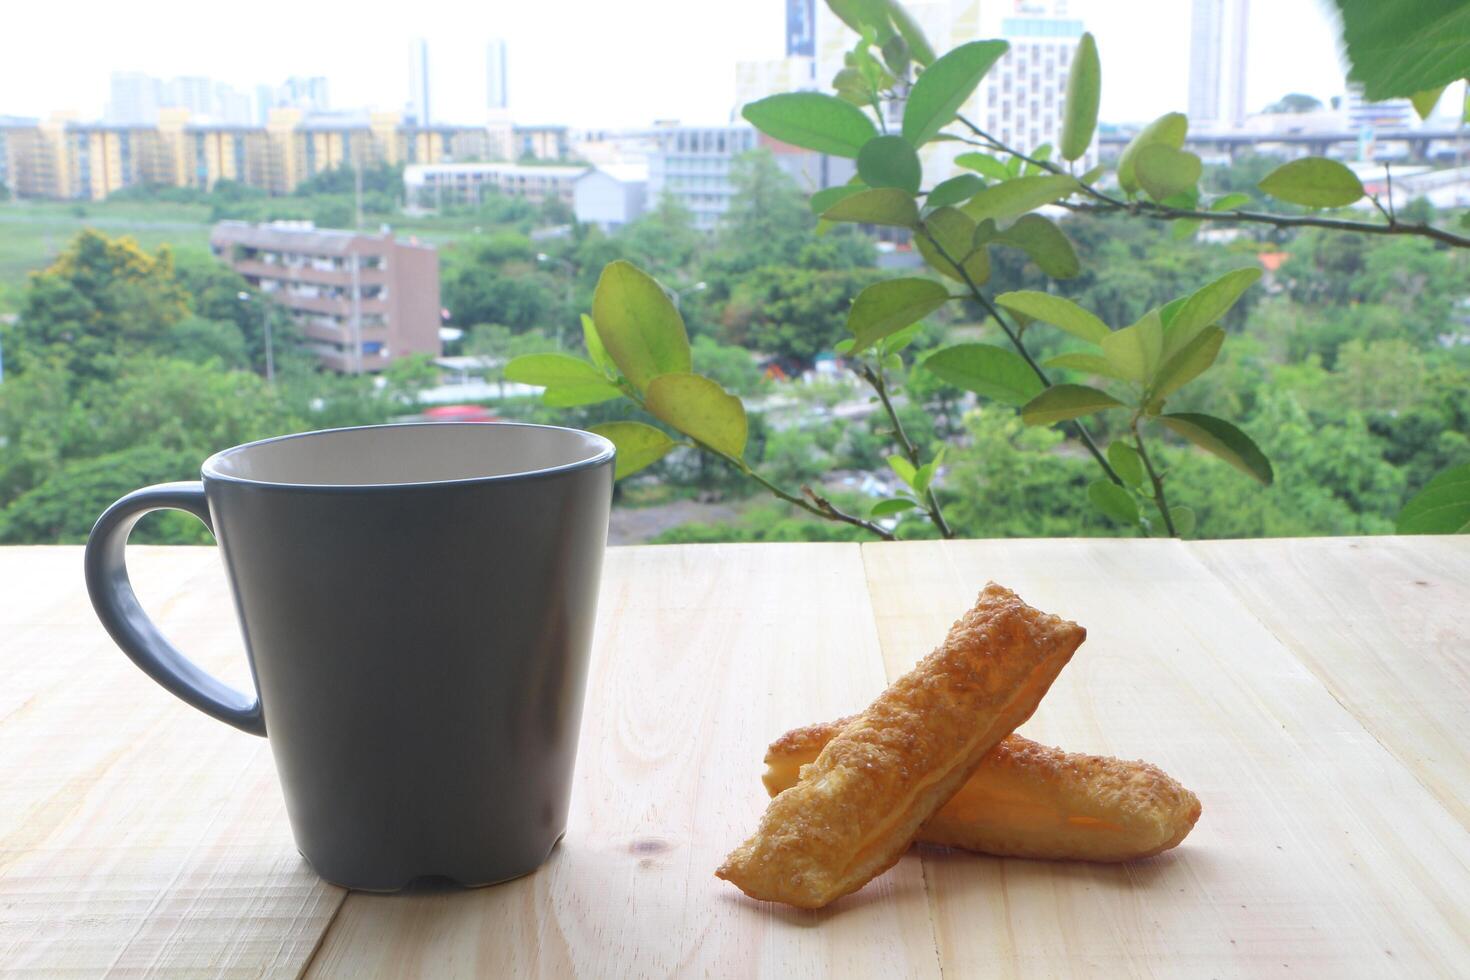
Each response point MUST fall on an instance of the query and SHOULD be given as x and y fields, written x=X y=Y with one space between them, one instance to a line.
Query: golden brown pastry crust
x=858 y=805
x=1034 y=801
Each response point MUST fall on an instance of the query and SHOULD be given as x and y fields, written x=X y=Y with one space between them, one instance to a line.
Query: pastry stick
x=857 y=806
x=1032 y=801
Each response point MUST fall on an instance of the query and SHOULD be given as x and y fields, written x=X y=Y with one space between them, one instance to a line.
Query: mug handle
x=117 y=606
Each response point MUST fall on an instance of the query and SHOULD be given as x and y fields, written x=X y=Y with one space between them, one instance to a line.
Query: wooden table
x=1314 y=693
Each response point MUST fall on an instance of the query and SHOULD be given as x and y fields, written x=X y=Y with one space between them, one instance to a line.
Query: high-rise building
x=191 y=92
x=418 y=82
x=1022 y=98
x=133 y=99
x=496 y=88
x=692 y=165
x=1366 y=117
x=1218 y=33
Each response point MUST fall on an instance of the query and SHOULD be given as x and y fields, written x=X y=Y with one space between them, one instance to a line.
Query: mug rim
x=209 y=469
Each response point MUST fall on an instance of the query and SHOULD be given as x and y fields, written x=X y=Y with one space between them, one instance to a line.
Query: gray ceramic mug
x=418 y=604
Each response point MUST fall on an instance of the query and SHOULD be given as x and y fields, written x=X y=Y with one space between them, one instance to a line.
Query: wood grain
x=1317 y=854
x=1385 y=624
x=137 y=836
x=703 y=655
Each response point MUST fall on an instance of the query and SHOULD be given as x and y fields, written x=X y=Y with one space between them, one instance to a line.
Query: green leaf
x=1127 y=463
x=569 y=396
x=905 y=470
x=1062 y=402
x=1092 y=175
x=1230 y=202
x=955 y=234
x=1167 y=312
x=1188 y=363
x=1018 y=195
x=1084 y=88
x=1425 y=101
x=887 y=307
x=700 y=409
x=1314 y=182
x=1183 y=518
x=638 y=444
x=1047 y=245
x=1089 y=363
x=896 y=55
x=1223 y=440
x=595 y=349
x=954 y=190
x=1113 y=501
x=824 y=199
x=1163 y=171
x=1442 y=507
x=984 y=164
x=858 y=14
x=639 y=325
x=919 y=47
x=1185 y=229
x=1059 y=312
x=890 y=506
x=925 y=475
x=1135 y=351
x=812 y=121
x=552 y=369
x=946 y=85
x=843 y=346
x=851 y=86
x=876 y=206
x=985 y=369
x=889 y=161
x=1399 y=47
x=1167 y=130
x=1205 y=306
x=896 y=342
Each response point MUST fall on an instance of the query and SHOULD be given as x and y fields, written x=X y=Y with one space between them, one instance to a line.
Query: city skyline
x=609 y=71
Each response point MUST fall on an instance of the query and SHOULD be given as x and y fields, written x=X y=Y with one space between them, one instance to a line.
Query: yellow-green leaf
x=568 y=396
x=985 y=164
x=1084 y=89
x=552 y=369
x=944 y=86
x=812 y=121
x=1059 y=312
x=595 y=349
x=919 y=47
x=701 y=409
x=1087 y=363
x=1135 y=351
x=955 y=234
x=1018 y=195
x=887 y=307
x=1205 y=306
x=638 y=324
x=1163 y=171
x=1046 y=244
x=825 y=198
x=1425 y=101
x=876 y=206
x=985 y=369
x=892 y=505
x=1113 y=501
x=1442 y=507
x=1060 y=403
x=1191 y=360
x=638 y=445
x=1313 y=182
x=954 y=190
x=1224 y=440
x=1126 y=463
x=1167 y=130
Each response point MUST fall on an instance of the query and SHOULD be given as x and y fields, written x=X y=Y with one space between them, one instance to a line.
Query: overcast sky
x=581 y=62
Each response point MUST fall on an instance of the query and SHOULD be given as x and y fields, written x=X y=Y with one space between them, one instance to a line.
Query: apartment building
x=361 y=301
x=692 y=165
x=437 y=184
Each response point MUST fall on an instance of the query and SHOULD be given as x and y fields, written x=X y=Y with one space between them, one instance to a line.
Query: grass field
x=33 y=232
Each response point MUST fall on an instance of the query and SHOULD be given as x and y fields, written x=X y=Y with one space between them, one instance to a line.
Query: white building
x=692 y=165
x=418 y=82
x=433 y=185
x=1217 y=60
x=611 y=195
x=1367 y=117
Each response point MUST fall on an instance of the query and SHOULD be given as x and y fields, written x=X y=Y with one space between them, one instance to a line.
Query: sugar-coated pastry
x=1033 y=801
x=858 y=805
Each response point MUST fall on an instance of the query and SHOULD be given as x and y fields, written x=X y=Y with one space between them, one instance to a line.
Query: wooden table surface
x=1314 y=693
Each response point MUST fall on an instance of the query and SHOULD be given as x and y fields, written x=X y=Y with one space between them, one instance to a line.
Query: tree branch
x=1160 y=502
x=931 y=502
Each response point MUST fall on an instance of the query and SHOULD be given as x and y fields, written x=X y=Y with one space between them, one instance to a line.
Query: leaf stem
x=877 y=382
x=1015 y=339
x=1160 y=501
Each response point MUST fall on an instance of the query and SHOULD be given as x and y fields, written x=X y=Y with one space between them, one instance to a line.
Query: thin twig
x=877 y=383
x=1160 y=502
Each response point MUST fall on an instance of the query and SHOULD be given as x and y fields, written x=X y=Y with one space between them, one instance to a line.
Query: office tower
x=496 y=90
x=418 y=82
x=1022 y=98
x=133 y=99
x=1217 y=61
